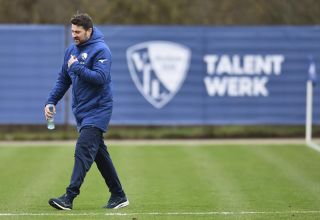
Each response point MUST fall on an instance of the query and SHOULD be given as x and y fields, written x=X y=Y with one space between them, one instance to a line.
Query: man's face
x=79 y=34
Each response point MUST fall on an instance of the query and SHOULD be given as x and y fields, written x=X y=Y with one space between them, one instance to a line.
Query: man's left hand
x=72 y=60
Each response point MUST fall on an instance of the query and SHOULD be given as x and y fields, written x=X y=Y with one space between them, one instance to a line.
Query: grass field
x=168 y=181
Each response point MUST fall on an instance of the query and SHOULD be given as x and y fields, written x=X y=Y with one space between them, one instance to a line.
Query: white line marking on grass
x=188 y=142
x=165 y=213
x=313 y=145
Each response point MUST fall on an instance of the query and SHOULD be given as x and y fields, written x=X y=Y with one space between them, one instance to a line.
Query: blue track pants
x=90 y=148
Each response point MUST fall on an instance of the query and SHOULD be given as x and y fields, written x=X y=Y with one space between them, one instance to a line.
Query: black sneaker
x=116 y=202
x=61 y=203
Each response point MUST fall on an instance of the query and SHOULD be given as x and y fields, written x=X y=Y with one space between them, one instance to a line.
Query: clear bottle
x=50 y=121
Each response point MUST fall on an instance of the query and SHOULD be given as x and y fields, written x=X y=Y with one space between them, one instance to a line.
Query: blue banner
x=30 y=59
x=171 y=75
x=212 y=75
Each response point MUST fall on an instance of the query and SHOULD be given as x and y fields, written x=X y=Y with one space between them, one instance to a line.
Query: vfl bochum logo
x=158 y=69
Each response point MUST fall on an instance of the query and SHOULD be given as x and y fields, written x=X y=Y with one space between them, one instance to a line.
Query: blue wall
x=171 y=75
x=30 y=58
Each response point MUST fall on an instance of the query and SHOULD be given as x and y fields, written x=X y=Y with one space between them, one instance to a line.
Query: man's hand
x=47 y=113
x=72 y=60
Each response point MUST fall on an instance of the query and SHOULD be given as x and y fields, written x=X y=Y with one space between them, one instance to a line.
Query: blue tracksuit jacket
x=91 y=82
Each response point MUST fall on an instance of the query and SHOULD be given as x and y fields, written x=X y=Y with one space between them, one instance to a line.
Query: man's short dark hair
x=83 y=20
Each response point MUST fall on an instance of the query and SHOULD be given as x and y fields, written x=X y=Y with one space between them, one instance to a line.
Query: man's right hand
x=48 y=114
x=72 y=60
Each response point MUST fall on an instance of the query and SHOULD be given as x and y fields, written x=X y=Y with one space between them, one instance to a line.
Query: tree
x=182 y=12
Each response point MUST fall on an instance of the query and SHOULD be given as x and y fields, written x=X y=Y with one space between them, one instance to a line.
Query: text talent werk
x=238 y=76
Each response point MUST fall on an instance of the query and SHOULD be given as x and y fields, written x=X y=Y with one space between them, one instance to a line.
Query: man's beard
x=78 y=41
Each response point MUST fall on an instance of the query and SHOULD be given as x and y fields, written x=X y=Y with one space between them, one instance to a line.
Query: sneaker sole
x=57 y=206
x=121 y=205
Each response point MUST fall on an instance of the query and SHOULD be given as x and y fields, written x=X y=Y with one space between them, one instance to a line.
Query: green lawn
x=168 y=182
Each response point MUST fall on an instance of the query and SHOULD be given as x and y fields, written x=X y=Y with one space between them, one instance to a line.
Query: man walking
x=86 y=66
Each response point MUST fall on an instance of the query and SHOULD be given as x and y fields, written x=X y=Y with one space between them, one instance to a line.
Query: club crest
x=158 y=69
x=84 y=56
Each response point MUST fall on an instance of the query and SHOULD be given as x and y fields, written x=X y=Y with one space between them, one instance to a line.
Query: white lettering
x=236 y=61
x=211 y=62
x=245 y=86
x=232 y=86
x=261 y=65
x=224 y=65
x=241 y=75
x=277 y=63
x=259 y=88
x=236 y=86
x=246 y=65
x=215 y=86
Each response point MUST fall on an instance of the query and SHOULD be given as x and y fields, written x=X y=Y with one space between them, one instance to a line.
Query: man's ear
x=90 y=31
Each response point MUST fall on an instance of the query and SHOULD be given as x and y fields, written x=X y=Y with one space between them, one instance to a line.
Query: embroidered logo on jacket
x=84 y=56
x=102 y=60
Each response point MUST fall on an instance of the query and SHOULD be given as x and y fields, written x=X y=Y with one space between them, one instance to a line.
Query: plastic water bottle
x=50 y=121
